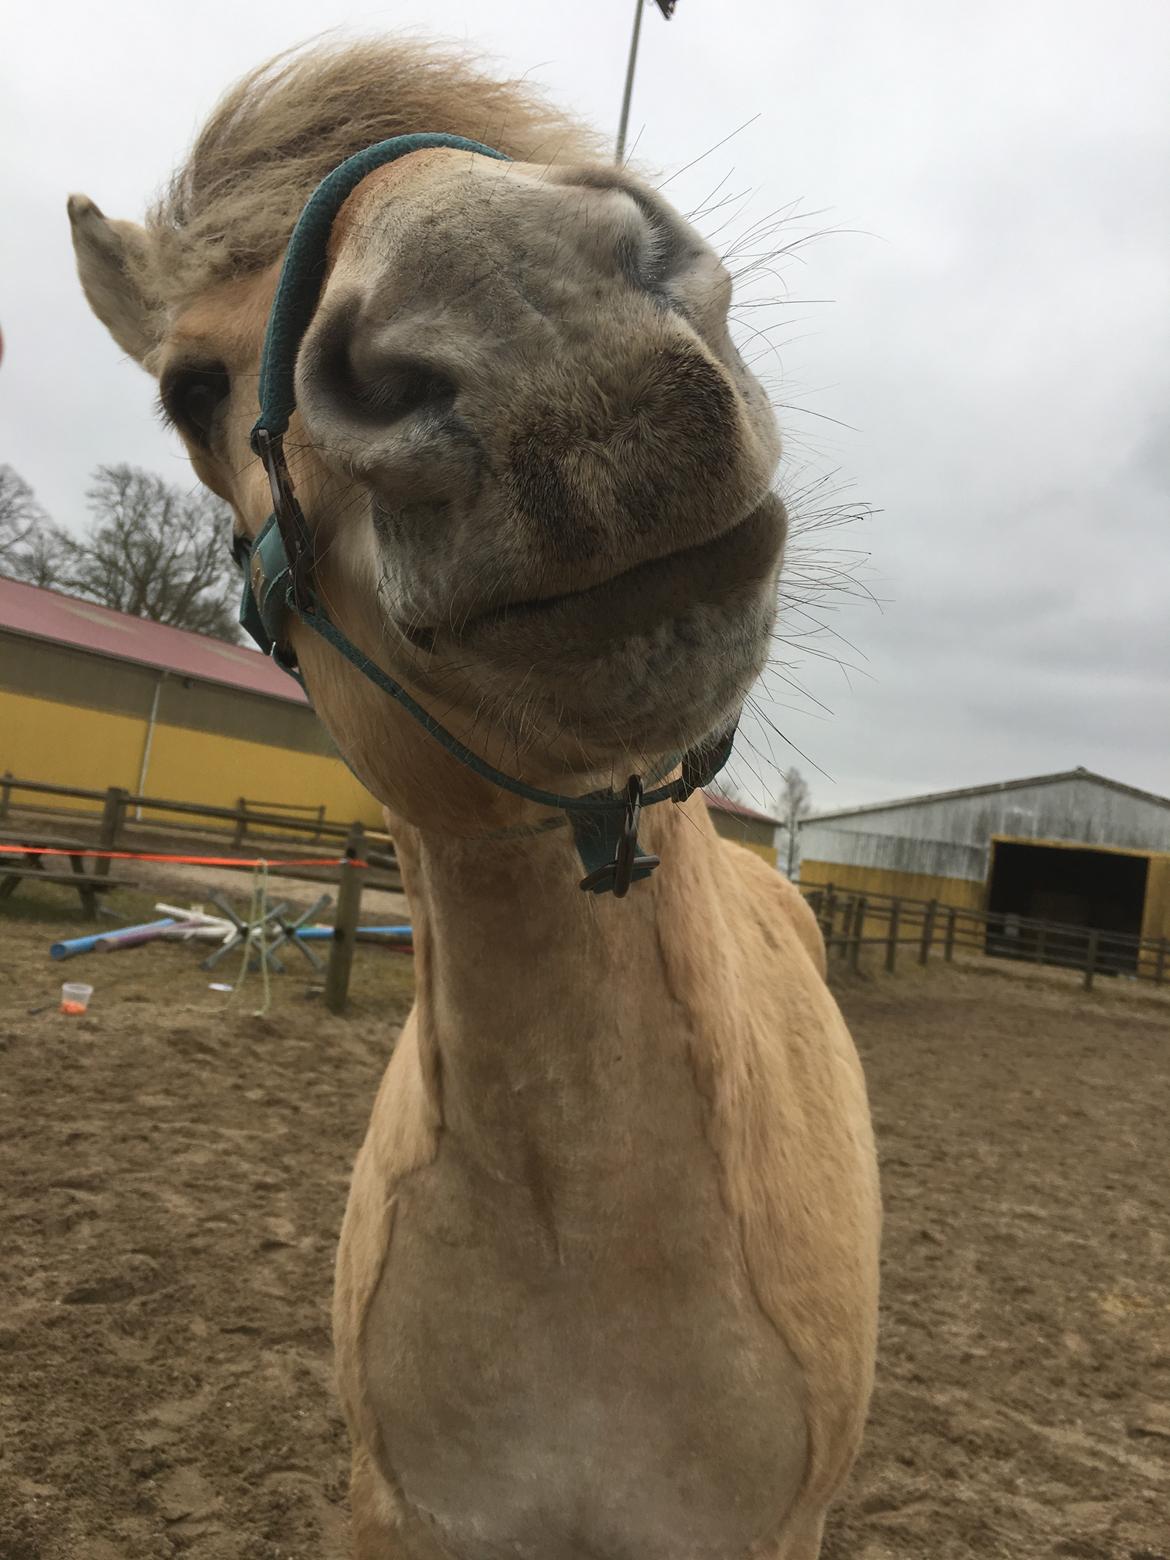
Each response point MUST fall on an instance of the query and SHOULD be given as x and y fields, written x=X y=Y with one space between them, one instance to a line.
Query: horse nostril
x=375 y=384
x=397 y=386
x=385 y=389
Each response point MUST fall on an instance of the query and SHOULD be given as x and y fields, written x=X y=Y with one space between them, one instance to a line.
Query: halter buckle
x=290 y=519
x=628 y=866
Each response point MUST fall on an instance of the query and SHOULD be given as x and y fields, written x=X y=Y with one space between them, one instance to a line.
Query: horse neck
x=551 y=1014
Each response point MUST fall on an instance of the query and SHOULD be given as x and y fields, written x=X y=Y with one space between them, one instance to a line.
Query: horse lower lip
x=642 y=582
x=424 y=638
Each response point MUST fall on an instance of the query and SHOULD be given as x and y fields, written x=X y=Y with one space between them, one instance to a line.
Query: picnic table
x=36 y=862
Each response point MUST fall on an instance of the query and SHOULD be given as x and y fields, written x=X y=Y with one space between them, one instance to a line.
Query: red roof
x=47 y=614
x=725 y=804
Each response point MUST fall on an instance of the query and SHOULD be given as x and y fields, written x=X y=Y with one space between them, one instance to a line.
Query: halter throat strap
x=278 y=564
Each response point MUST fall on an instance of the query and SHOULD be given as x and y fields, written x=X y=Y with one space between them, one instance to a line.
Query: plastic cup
x=75 y=995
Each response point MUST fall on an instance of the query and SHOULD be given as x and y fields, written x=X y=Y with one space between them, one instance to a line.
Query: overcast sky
x=980 y=350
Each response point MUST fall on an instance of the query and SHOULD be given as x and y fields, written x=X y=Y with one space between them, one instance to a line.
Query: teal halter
x=278 y=564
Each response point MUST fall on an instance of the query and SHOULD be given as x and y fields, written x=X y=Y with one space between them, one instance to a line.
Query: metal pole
x=150 y=724
x=620 y=150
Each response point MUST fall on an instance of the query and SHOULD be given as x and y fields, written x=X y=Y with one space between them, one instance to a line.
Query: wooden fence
x=851 y=921
x=248 y=820
x=245 y=816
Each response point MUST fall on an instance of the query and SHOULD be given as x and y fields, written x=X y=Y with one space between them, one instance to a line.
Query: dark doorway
x=1098 y=889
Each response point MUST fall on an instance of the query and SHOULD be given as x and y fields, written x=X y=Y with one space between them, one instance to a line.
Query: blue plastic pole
x=319 y=933
x=72 y=946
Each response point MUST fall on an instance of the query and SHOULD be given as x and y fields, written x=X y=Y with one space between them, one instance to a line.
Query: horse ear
x=110 y=258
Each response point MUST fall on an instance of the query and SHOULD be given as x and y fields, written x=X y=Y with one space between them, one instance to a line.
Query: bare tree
x=155 y=551
x=32 y=548
x=792 y=805
x=151 y=550
x=21 y=516
x=43 y=556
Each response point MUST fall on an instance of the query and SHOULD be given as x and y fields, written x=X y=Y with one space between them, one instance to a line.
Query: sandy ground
x=174 y=1169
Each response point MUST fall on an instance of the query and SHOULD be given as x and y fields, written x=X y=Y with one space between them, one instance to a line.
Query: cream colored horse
x=607 y=1281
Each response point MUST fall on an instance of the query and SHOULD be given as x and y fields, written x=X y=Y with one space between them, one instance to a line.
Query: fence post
x=345 y=923
x=829 y=916
x=1091 y=958
x=241 y=822
x=949 y=945
x=113 y=816
x=858 y=929
x=1160 y=961
x=927 y=931
x=847 y=925
x=5 y=794
x=892 y=940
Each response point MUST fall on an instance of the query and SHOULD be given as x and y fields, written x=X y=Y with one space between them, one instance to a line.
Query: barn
x=735 y=821
x=1073 y=847
x=93 y=698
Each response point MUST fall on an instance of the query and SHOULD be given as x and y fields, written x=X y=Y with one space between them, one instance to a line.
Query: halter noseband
x=278 y=563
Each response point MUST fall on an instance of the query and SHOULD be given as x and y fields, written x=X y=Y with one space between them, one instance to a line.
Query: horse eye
x=192 y=398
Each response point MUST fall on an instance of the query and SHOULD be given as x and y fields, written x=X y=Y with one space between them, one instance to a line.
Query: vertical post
x=631 y=66
x=148 y=743
x=847 y=925
x=1091 y=958
x=949 y=945
x=5 y=794
x=892 y=939
x=927 y=931
x=828 y=913
x=113 y=816
x=1160 y=961
x=345 y=923
x=858 y=929
x=241 y=821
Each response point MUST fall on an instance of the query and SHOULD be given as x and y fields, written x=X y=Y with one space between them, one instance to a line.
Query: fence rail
x=115 y=803
x=242 y=816
x=851 y=921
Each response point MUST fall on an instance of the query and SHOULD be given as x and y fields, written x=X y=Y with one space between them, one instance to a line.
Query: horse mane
x=274 y=136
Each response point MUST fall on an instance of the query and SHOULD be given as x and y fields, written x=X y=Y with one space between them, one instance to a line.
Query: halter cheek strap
x=278 y=564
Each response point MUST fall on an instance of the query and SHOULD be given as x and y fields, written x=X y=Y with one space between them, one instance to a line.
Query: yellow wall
x=41 y=739
x=195 y=766
x=1156 y=920
x=754 y=833
x=882 y=880
x=65 y=744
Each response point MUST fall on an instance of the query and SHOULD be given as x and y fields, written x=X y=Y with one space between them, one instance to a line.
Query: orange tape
x=189 y=861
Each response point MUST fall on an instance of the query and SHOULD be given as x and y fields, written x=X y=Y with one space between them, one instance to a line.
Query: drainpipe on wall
x=146 y=746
